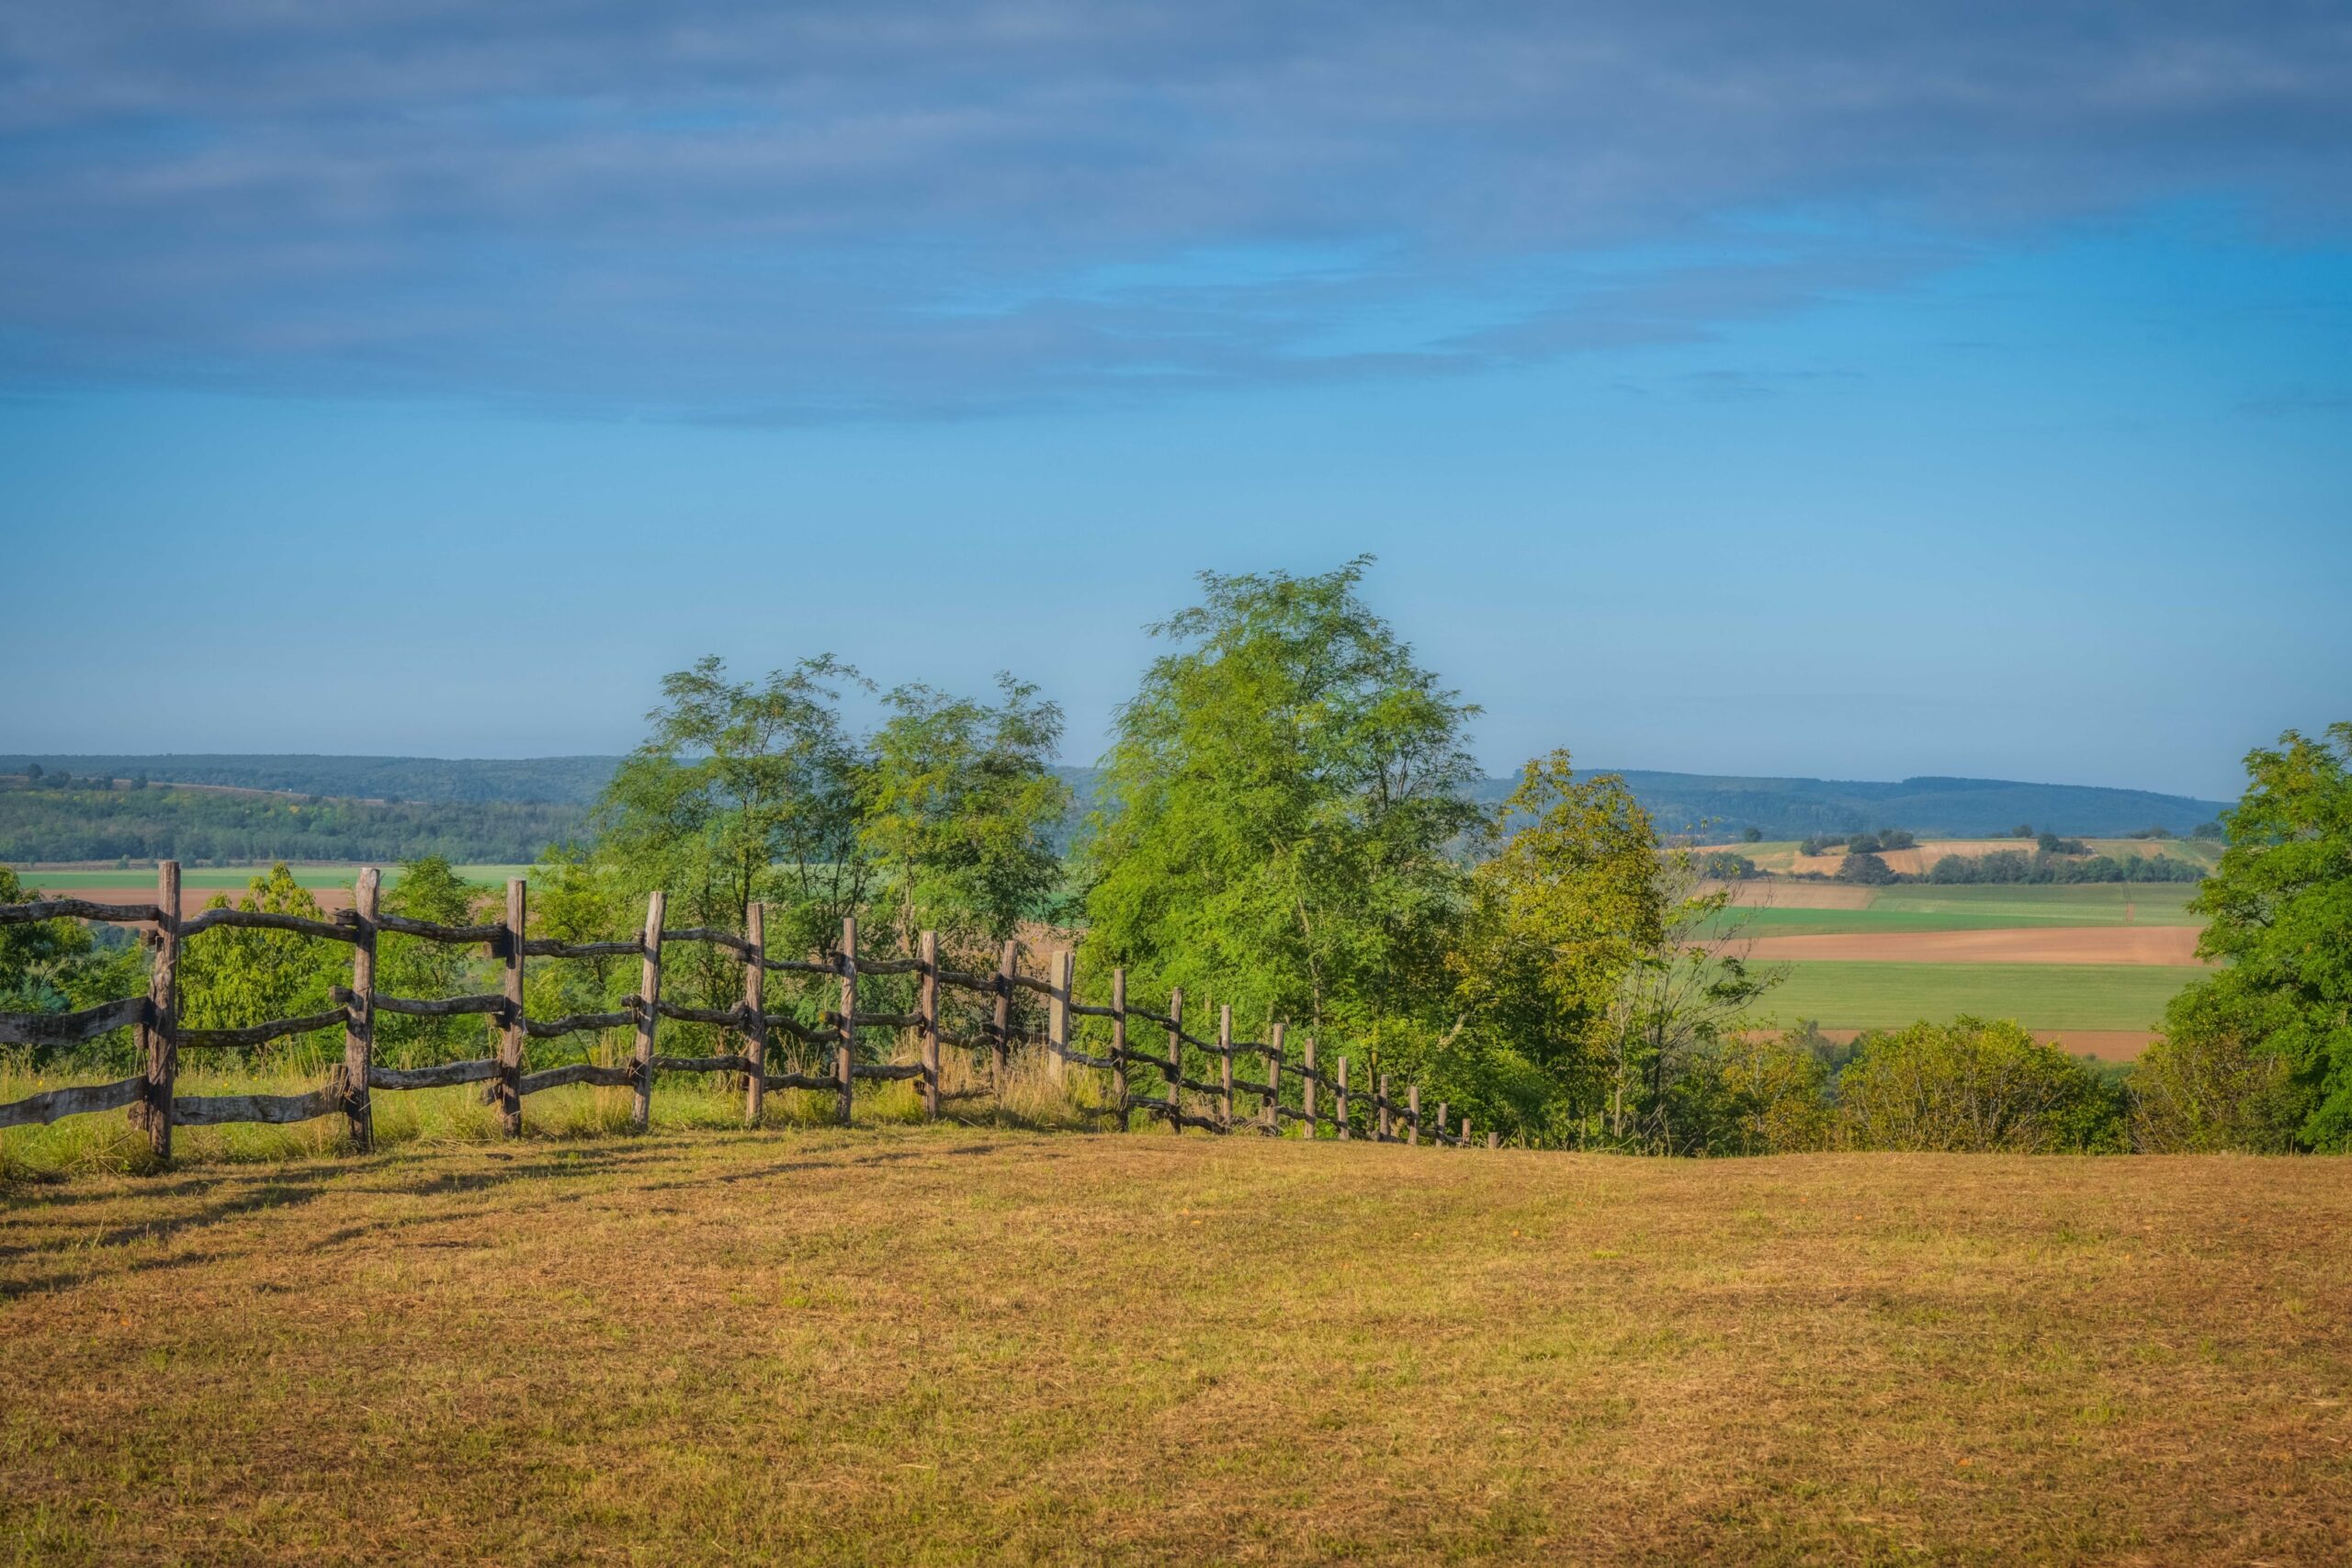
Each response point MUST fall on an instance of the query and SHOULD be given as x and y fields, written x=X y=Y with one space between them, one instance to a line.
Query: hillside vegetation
x=1779 y=808
x=954 y=1345
x=84 y=822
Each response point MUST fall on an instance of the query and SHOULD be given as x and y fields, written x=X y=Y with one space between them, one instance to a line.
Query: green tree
x=1560 y=917
x=429 y=889
x=1687 y=995
x=2205 y=1084
x=960 y=810
x=61 y=966
x=1754 y=1095
x=743 y=791
x=1283 y=808
x=232 y=976
x=2280 y=910
x=574 y=898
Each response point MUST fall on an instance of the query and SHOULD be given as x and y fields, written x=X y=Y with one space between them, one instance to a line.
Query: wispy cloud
x=742 y=210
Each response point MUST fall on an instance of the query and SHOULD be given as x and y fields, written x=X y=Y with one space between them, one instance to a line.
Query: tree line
x=1285 y=821
x=60 y=818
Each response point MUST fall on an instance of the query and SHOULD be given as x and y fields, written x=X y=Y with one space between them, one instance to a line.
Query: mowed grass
x=939 y=1344
x=210 y=879
x=1857 y=994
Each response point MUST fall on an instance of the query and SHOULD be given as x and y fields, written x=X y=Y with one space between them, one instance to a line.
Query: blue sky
x=1845 y=390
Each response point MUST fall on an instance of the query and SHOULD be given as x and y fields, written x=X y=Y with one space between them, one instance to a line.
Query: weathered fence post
x=1465 y=1131
x=360 y=1022
x=1224 y=1052
x=755 y=1020
x=648 y=989
x=845 y=1054
x=1413 y=1114
x=1059 y=967
x=1345 y=1131
x=1380 y=1100
x=1007 y=961
x=1176 y=1059
x=1441 y=1122
x=1494 y=1140
x=510 y=1044
x=1307 y=1092
x=927 y=1007
x=160 y=1034
x=1274 y=1086
x=1119 y=1045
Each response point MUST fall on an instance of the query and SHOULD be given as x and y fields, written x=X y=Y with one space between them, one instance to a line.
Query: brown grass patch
x=2164 y=945
x=940 y=1345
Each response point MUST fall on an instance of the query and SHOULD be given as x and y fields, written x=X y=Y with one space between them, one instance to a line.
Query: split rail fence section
x=1367 y=1110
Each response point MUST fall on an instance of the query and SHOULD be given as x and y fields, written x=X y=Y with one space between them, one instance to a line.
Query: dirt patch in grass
x=943 y=1345
x=2025 y=944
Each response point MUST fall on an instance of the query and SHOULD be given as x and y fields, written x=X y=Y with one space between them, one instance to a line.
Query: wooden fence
x=1368 y=1110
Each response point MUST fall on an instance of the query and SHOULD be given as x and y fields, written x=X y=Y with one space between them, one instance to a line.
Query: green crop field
x=1919 y=908
x=1839 y=994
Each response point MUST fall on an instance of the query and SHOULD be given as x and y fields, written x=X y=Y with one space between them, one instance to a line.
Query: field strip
x=1845 y=994
x=2167 y=945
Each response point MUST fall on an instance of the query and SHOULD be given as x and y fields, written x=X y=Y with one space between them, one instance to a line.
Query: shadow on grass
x=238 y=1196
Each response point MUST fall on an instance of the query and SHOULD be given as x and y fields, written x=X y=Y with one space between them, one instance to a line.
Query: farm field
x=1785 y=856
x=2092 y=965
x=1861 y=994
x=947 y=1345
x=1771 y=909
x=331 y=884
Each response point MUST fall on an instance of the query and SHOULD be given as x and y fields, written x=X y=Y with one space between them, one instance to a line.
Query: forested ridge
x=1777 y=808
x=80 y=821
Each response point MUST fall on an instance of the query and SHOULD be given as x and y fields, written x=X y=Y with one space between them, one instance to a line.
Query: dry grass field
x=943 y=1345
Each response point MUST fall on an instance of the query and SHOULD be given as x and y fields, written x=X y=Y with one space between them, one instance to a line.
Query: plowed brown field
x=2027 y=944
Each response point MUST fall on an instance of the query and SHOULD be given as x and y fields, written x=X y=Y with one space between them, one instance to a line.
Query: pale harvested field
x=2167 y=945
x=1796 y=895
x=1917 y=861
x=945 y=1346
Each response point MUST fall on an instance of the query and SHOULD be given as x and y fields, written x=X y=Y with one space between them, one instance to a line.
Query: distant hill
x=1779 y=808
x=1940 y=808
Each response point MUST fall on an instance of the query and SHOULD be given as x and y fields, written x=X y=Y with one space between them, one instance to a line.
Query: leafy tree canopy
x=1283 y=810
x=2280 y=908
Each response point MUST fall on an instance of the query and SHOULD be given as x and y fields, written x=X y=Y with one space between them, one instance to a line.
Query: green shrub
x=1975 y=1086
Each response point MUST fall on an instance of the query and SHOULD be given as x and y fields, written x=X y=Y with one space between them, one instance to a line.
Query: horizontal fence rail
x=1327 y=1105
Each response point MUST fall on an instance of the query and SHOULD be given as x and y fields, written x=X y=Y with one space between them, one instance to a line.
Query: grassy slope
x=1837 y=994
x=918 y=1346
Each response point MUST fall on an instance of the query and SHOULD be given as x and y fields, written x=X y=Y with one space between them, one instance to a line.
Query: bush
x=1755 y=1096
x=2206 y=1085
x=1725 y=867
x=1974 y=1087
x=1864 y=866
